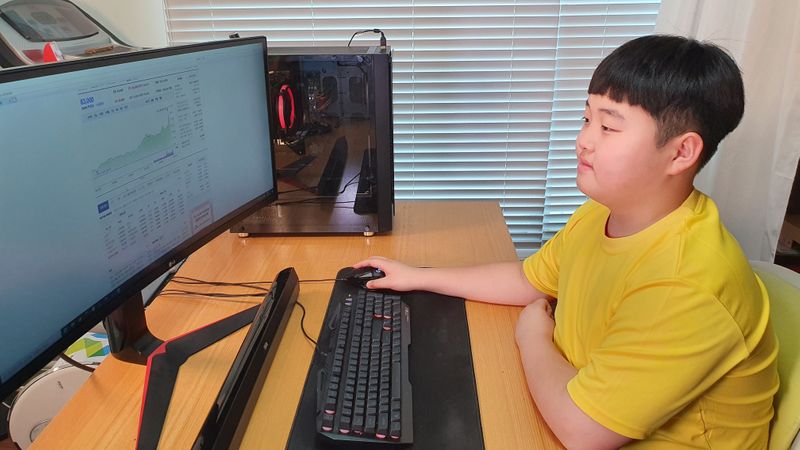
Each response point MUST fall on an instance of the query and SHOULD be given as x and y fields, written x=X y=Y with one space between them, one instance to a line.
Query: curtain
x=751 y=175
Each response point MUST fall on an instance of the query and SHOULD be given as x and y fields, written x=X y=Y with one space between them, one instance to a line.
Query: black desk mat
x=445 y=399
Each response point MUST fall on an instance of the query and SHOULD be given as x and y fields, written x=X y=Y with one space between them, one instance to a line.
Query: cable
x=247 y=284
x=226 y=297
x=168 y=275
x=317 y=199
x=350 y=183
x=75 y=363
x=303 y=328
x=341 y=191
x=322 y=280
x=374 y=30
x=189 y=280
x=209 y=294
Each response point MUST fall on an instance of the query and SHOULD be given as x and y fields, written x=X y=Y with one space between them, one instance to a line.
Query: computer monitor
x=112 y=170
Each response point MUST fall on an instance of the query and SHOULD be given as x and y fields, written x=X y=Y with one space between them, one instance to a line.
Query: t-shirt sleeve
x=668 y=342
x=542 y=267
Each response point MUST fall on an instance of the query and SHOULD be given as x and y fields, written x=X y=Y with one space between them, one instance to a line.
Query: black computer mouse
x=362 y=275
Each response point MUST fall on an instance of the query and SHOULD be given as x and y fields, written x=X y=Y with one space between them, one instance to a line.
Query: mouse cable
x=322 y=280
x=303 y=329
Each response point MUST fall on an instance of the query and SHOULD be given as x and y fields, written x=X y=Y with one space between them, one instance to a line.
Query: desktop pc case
x=333 y=138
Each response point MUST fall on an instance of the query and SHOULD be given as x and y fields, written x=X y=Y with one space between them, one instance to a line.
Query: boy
x=661 y=338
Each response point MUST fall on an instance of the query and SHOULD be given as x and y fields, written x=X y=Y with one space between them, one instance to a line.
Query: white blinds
x=488 y=96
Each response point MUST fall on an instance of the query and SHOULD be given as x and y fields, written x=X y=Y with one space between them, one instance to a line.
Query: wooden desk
x=104 y=413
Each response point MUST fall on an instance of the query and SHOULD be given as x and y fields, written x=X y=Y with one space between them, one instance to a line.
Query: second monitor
x=333 y=134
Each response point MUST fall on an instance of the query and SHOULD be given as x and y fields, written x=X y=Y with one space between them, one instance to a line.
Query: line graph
x=150 y=145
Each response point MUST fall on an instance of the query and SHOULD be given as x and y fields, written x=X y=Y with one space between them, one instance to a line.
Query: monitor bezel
x=133 y=286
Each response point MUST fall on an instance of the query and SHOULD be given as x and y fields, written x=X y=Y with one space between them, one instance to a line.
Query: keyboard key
x=330 y=405
x=358 y=424
x=369 y=426
x=327 y=422
x=387 y=310
x=396 y=381
x=383 y=426
x=394 y=430
x=395 y=416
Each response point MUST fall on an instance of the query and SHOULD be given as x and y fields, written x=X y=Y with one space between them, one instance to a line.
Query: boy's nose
x=583 y=142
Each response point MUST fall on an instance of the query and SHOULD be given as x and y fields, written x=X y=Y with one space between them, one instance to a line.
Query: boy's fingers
x=540 y=302
x=374 y=284
x=372 y=261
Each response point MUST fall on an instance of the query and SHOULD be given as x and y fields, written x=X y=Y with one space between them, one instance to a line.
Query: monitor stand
x=129 y=339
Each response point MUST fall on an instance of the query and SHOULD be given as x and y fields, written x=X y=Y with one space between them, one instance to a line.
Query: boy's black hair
x=686 y=85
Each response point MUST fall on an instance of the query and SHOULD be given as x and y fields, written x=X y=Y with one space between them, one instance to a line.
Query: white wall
x=136 y=22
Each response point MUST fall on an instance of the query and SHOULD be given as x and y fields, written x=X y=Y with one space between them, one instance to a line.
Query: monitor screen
x=111 y=171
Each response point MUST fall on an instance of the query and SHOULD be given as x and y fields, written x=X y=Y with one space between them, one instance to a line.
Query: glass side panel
x=325 y=142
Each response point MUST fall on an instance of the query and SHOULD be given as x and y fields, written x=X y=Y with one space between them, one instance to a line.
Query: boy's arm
x=501 y=283
x=547 y=374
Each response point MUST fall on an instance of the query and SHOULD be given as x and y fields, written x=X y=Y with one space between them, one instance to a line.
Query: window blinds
x=488 y=96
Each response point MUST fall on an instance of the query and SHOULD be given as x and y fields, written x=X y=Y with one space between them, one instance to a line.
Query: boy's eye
x=605 y=128
x=585 y=119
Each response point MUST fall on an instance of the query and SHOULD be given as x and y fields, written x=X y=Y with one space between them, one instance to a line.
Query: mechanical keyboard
x=363 y=388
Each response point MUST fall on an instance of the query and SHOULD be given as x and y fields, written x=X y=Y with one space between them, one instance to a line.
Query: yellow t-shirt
x=669 y=328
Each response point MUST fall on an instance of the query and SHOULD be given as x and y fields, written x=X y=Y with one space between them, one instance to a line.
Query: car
x=40 y=31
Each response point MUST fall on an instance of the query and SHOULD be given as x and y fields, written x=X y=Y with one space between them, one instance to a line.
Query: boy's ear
x=687 y=149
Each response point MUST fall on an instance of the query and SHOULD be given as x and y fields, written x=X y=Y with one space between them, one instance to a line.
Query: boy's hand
x=535 y=323
x=398 y=276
